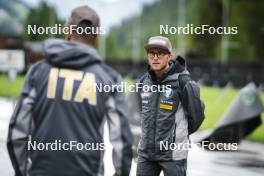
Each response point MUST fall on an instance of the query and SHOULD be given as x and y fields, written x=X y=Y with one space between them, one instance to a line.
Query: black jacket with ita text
x=61 y=113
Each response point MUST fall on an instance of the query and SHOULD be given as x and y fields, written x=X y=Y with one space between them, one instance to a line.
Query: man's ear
x=170 y=56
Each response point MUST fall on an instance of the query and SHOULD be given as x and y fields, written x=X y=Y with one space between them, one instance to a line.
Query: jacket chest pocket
x=168 y=106
x=166 y=122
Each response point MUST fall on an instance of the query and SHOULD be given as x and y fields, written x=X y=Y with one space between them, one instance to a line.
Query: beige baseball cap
x=82 y=13
x=159 y=42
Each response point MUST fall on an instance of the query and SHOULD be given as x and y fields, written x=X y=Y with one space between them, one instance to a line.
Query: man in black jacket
x=57 y=126
x=171 y=111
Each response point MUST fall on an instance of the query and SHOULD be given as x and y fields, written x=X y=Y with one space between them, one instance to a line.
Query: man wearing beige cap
x=170 y=111
x=57 y=126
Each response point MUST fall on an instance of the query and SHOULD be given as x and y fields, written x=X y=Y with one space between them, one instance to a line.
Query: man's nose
x=155 y=57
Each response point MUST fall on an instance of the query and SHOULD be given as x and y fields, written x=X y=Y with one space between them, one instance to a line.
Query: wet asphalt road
x=248 y=160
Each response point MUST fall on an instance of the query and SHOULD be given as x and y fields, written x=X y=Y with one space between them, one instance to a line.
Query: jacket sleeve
x=120 y=134
x=20 y=126
x=191 y=102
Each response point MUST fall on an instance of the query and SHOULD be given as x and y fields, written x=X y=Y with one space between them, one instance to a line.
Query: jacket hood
x=69 y=54
x=178 y=65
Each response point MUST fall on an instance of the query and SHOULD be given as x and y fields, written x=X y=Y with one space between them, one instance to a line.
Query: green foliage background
x=128 y=38
x=246 y=15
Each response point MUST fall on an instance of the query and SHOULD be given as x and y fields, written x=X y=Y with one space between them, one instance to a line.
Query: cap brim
x=149 y=46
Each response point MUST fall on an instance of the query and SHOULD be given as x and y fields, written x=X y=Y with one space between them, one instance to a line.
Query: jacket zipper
x=155 y=122
x=174 y=135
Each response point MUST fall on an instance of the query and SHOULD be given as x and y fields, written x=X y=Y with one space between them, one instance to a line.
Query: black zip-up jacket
x=59 y=104
x=169 y=117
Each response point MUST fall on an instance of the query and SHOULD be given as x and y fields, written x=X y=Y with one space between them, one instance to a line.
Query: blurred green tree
x=42 y=16
x=249 y=42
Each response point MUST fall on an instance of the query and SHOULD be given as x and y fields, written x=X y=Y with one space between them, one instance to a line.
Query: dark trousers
x=153 y=168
